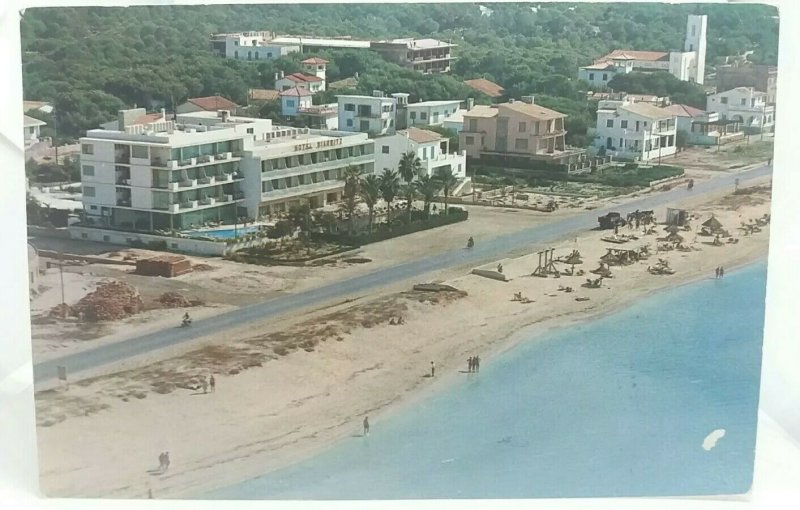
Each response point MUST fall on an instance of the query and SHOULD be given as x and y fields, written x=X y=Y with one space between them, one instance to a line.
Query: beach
x=102 y=436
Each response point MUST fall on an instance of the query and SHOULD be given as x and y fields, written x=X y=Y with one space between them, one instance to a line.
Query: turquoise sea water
x=615 y=407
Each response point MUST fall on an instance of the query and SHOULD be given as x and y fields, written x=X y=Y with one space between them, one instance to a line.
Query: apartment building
x=282 y=170
x=428 y=56
x=635 y=131
x=374 y=115
x=147 y=173
x=432 y=149
x=518 y=132
x=745 y=105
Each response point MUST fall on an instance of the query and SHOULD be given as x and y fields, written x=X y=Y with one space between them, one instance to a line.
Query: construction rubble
x=109 y=302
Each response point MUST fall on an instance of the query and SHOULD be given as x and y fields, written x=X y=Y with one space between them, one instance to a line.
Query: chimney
x=163 y=114
x=527 y=99
x=276 y=76
x=224 y=114
x=355 y=76
x=470 y=103
x=281 y=74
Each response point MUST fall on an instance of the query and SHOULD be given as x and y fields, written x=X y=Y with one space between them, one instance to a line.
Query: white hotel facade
x=148 y=173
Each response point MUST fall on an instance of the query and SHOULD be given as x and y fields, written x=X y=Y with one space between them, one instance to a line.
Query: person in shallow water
x=366 y=425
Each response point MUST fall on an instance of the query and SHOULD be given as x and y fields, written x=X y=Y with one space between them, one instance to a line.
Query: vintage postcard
x=398 y=251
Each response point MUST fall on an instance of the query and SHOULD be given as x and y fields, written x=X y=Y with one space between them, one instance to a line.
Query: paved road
x=533 y=238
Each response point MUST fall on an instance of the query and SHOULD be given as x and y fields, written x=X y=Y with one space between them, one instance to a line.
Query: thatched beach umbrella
x=713 y=224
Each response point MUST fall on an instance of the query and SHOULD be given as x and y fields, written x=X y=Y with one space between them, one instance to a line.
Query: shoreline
x=324 y=394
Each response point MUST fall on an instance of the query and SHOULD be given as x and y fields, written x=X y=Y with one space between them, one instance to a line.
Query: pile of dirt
x=109 y=302
x=174 y=300
x=202 y=267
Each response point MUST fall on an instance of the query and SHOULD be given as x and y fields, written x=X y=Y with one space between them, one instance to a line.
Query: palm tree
x=410 y=167
x=448 y=181
x=427 y=187
x=390 y=188
x=370 y=192
x=352 y=184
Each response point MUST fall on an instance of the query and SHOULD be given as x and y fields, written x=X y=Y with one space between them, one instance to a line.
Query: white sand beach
x=287 y=389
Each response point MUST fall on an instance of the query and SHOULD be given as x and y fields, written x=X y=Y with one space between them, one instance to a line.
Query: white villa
x=744 y=105
x=31 y=129
x=702 y=127
x=373 y=114
x=146 y=173
x=686 y=65
x=293 y=99
x=310 y=82
x=635 y=131
x=431 y=148
x=251 y=46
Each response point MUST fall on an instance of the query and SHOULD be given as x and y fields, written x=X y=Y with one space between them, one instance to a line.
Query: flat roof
x=321 y=41
x=434 y=103
x=480 y=110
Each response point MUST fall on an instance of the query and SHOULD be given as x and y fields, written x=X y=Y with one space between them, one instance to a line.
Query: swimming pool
x=227 y=233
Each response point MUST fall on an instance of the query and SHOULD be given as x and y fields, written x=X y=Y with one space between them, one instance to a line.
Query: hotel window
x=87 y=148
x=610 y=123
x=470 y=140
x=385 y=149
x=723 y=100
x=269 y=54
x=139 y=151
x=623 y=124
x=88 y=191
x=256 y=55
x=349 y=122
x=290 y=103
x=349 y=107
x=521 y=144
x=744 y=101
x=88 y=170
x=250 y=131
x=521 y=127
x=423 y=116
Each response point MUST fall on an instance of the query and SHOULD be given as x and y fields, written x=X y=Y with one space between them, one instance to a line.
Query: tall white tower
x=696 y=42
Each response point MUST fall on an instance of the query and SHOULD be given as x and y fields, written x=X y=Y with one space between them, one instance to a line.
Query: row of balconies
x=174 y=164
x=202 y=202
x=203 y=181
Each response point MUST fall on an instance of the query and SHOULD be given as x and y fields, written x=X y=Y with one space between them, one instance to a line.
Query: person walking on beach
x=721 y=272
x=161 y=462
x=166 y=461
x=433 y=369
x=716 y=272
x=204 y=384
x=477 y=363
x=213 y=383
x=366 y=426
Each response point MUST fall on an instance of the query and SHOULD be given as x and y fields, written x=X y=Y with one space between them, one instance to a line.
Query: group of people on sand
x=205 y=383
x=720 y=272
x=473 y=364
x=397 y=321
x=163 y=462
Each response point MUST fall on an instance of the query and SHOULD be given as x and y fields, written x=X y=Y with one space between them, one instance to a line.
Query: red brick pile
x=109 y=302
x=174 y=300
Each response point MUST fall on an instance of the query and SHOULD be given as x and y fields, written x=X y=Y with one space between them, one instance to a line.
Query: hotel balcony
x=303 y=189
x=175 y=164
x=189 y=204
x=316 y=167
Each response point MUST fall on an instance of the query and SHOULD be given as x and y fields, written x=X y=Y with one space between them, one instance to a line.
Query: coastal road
x=485 y=249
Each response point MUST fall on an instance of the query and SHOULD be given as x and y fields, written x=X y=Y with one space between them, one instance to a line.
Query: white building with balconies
x=432 y=149
x=634 y=131
x=305 y=165
x=149 y=173
x=744 y=105
x=374 y=115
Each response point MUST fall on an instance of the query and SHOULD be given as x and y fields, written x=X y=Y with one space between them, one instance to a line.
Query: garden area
x=373 y=208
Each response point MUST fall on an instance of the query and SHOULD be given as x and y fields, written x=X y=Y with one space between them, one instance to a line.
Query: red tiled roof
x=295 y=91
x=147 y=119
x=421 y=135
x=213 y=103
x=684 y=110
x=315 y=60
x=485 y=86
x=302 y=78
x=635 y=55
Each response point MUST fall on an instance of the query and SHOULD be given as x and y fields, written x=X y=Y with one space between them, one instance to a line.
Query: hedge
x=382 y=232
